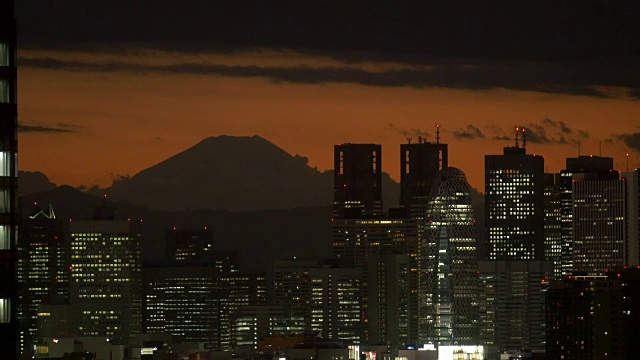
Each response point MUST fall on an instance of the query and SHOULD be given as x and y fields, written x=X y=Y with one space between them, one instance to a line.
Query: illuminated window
x=4 y=200
x=4 y=91
x=5 y=311
x=5 y=237
x=4 y=54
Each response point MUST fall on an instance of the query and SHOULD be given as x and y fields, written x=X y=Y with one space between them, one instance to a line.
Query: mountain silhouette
x=30 y=182
x=233 y=173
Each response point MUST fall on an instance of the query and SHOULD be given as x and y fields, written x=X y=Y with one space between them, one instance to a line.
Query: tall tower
x=43 y=271
x=599 y=226
x=553 y=224
x=514 y=205
x=449 y=311
x=419 y=163
x=584 y=168
x=512 y=277
x=8 y=182
x=357 y=180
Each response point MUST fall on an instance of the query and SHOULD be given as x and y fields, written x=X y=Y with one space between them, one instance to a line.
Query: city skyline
x=102 y=103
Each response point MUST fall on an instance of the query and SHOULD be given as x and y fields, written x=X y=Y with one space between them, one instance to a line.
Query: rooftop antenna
x=579 y=143
x=524 y=138
x=627 y=162
x=437 y=133
x=517 y=131
x=408 y=139
x=600 y=146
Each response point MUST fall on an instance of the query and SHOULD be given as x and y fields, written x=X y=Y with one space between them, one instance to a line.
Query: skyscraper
x=291 y=290
x=391 y=300
x=419 y=163
x=514 y=205
x=511 y=304
x=594 y=317
x=632 y=180
x=357 y=180
x=185 y=301
x=336 y=310
x=8 y=182
x=449 y=278
x=599 y=227
x=106 y=278
x=512 y=278
x=355 y=241
x=43 y=270
x=584 y=168
x=553 y=224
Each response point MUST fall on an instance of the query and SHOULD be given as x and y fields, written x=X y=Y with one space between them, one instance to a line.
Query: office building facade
x=336 y=310
x=357 y=181
x=594 y=316
x=599 y=226
x=511 y=304
x=184 y=301
x=43 y=271
x=514 y=205
x=292 y=291
x=106 y=278
x=419 y=163
x=8 y=182
x=582 y=168
x=553 y=224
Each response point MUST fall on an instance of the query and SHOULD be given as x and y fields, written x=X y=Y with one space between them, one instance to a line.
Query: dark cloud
x=61 y=129
x=573 y=31
x=632 y=140
x=548 y=131
x=481 y=76
x=409 y=134
x=470 y=132
x=503 y=138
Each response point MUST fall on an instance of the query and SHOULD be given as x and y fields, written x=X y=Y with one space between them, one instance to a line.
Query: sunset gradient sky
x=91 y=112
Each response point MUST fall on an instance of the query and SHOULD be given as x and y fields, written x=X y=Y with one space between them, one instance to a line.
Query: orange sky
x=127 y=121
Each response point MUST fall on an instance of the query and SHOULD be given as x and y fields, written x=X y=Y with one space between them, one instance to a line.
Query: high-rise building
x=43 y=271
x=511 y=304
x=253 y=323
x=8 y=182
x=419 y=163
x=106 y=278
x=514 y=205
x=594 y=317
x=632 y=180
x=512 y=277
x=448 y=264
x=357 y=180
x=188 y=245
x=292 y=291
x=184 y=301
x=391 y=307
x=336 y=310
x=553 y=224
x=599 y=226
x=584 y=168
x=356 y=240
x=240 y=290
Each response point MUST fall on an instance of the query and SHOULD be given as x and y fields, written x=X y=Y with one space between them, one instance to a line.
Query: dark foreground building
x=594 y=317
x=8 y=182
